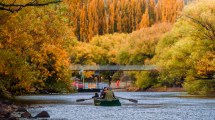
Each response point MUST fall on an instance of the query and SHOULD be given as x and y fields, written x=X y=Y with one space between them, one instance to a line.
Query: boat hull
x=103 y=102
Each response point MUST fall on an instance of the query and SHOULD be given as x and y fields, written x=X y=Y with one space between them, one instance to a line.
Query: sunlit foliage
x=146 y=79
x=140 y=45
x=110 y=44
x=187 y=52
x=99 y=17
x=35 y=45
x=125 y=49
x=17 y=5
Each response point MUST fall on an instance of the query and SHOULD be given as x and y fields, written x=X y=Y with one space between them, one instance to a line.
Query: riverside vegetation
x=37 y=44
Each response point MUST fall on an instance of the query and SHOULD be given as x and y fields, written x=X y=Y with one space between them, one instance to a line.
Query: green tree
x=140 y=45
x=183 y=52
x=146 y=79
x=110 y=44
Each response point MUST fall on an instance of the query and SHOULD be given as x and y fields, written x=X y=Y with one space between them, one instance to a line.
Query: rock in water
x=43 y=114
x=26 y=115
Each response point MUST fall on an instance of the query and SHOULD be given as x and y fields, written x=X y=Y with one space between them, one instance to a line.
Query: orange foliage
x=168 y=10
x=98 y=17
x=206 y=65
x=36 y=45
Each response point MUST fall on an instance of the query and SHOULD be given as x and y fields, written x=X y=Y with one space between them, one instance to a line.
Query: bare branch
x=16 y=7
x=12 y=3
x=2 y=8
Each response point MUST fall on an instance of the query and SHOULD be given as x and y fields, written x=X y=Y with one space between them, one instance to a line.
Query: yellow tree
x=125 y=16
x=152 y=11
x=74 y=8
x=101 y=14
x=83 y=23
x=187 y=52
x=139 y=6
x=145 y=19
x=206 y=65
x=17 y=5
x=118 y=16
x=92 y=20
x=41 y=39
x=111 y=18
x=168 y=10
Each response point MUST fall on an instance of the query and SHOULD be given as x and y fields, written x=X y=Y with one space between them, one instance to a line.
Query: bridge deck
x=112 y=67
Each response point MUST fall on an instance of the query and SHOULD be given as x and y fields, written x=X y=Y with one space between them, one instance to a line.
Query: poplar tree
x=145 y=19
x=99 y=17
x=168 y=10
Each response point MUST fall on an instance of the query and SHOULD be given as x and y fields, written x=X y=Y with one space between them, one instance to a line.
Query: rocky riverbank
x=11 y=111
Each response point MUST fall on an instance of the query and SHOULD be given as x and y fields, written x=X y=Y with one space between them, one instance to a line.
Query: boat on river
x=103 y=102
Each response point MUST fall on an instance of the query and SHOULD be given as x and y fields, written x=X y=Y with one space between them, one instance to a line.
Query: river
x=150 y=106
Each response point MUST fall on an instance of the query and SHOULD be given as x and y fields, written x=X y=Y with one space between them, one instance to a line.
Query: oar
x=81 y=100
x=132 y=100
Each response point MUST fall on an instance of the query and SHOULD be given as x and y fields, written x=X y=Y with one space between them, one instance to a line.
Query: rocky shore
x=11 y=111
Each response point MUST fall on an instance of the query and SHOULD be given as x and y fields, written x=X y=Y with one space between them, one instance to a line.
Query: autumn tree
x=145 y=22
x=126 y=49
x=152 y=11
x=98 y=17
x=110 y=44
x=36 y=49
x=140 y=45
x=168 y=10
x=83 y=23
x=187 y=52
x=111 y=16
x=16 y=5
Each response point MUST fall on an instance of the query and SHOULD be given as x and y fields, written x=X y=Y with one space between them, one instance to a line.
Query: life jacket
x=109 y=95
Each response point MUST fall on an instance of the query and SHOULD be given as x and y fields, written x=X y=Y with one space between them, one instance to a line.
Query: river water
x=150 y=106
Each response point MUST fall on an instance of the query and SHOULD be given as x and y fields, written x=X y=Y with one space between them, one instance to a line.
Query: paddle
x=81 y=100
x=131 y=100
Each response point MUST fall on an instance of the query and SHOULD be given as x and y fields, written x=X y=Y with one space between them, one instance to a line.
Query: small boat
x=103 y=102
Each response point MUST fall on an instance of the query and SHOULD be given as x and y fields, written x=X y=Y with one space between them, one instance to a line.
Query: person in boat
x=96 y=95
x=102 y=95
x=109 y=94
